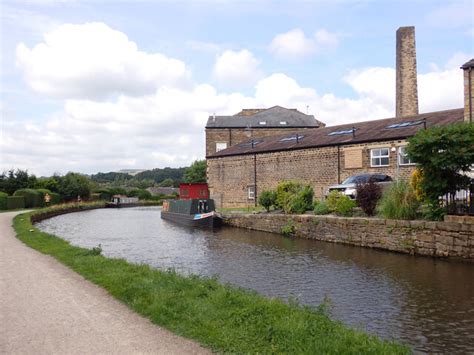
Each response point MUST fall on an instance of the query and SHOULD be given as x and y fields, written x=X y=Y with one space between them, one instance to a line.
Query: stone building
x=318 y=158
x=225 y=131
x=468 y=69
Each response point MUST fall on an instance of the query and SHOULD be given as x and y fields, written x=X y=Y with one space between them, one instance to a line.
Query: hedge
x=3 y=200
x=32 y=197
x=15 y=202
x=55 y=198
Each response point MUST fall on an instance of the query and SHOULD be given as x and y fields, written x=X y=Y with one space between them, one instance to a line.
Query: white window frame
x=402 y=154
x=380 y=156
x=251 y=192
x=220 y=143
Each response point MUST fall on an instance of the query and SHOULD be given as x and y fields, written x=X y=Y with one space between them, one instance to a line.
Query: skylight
x=346 y=131
x=283 y=122
x=250 y=144
x=292 y=138
x=406 y=124
x=262 y=123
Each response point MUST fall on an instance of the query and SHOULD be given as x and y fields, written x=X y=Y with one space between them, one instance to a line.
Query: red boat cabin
x=192 y=191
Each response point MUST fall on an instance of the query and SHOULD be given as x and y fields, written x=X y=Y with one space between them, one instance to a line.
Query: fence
x=461 y=202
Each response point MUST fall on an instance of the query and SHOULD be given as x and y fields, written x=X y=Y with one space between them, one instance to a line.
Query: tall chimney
x=406 y=87
x=468 y=69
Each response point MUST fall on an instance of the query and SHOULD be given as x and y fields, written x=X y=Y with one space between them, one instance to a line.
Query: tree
x=267 y=199
x=444 y=154
x=196 y=172
x=368 y=194
x=166 y=183
x=73 y=185
x=14 y=180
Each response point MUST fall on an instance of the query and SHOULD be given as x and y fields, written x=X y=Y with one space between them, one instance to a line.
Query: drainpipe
x=230 y=137
x=255 y=178
x=338 y=164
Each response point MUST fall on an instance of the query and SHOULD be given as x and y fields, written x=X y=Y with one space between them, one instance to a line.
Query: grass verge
x=221 y=317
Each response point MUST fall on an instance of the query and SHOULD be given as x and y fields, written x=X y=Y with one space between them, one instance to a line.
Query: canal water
x=426 y=303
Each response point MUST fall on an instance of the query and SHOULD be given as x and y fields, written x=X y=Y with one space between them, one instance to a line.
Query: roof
x=469 y=64
x=351 y=133
x=265 y=118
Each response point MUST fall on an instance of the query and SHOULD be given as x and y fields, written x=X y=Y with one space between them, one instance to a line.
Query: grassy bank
x=220 y=317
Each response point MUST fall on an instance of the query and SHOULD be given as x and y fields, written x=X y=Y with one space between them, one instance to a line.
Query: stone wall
x=230 y=177
x=438 y=239
x=232 y=136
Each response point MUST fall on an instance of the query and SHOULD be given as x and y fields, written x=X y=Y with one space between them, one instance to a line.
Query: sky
x=98 y=86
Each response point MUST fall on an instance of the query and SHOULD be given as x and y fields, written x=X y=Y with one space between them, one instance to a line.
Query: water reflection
x=421 y=301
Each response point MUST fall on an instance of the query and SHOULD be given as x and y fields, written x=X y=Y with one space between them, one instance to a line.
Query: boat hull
x=210 y=220
x=121 y=205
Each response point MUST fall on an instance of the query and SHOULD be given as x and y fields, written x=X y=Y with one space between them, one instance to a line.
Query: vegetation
x=3 y=200
x=196 y=172
x=289 y=229
x=73 y=185
x=367 y=196
x=293 y=197
x=14 y=180
x=32 y=197
x=340 y=204
x=444 y=154
x=141 y=194
x=15 y=202
x=267 y=199
x=321 y=208
x=221 y=317
x=399 y=202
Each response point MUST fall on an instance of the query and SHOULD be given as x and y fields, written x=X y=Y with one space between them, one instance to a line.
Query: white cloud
x=94 y=61
x=295 y=44
x=235 y=69
x=292 y=44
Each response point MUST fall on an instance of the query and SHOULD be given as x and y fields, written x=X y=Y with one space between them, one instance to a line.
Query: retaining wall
x=437 y=239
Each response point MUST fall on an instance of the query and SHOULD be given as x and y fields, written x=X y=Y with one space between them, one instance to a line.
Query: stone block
x=448 y=226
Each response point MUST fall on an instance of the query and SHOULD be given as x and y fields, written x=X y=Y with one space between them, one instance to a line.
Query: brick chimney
x=468 y=69
x=406 y=84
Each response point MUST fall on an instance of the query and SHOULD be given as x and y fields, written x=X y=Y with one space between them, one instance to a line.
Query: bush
x=368 y=194
x=32 y=197
x=15 y=202
x=289 y=229
x=140 y=193
x=301 y=202
x=321 y=208
x=399 y=202
x=331 y=200
x=267 y=199
x=344 y=206
x=3 y=200
x=55 y=198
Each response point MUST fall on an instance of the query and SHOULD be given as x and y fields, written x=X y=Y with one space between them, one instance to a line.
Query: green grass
x=221 y=317
x=249 y=209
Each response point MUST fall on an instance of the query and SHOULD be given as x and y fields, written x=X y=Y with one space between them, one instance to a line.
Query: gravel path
x=45 y=308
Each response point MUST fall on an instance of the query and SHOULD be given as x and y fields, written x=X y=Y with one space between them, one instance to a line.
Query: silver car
x=348 y=186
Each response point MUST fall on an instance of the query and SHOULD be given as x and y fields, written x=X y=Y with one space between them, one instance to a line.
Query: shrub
x=55 y=198
x=344 y=206
x=288 y=230
x=284 y=191
x=15 y=202
x=321 y=208
x=332 y=198
x=301 y=202
x=368 y=194
x=399 y=202
x=415 y=182
x=32 y=197
x=3 y=200
x=267 y=199
x=141 y=194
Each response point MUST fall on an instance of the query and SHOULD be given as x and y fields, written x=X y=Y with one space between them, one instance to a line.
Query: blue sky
x=100 y=85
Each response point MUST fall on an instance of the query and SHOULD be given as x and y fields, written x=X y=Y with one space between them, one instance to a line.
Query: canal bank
x=45 y=308
x=453 y=240
x=221 y=317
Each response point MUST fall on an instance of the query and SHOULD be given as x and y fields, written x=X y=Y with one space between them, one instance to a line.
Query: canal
x=426 y=303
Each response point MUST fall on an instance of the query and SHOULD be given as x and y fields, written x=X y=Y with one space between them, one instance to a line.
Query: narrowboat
x=122 y=201
x=192 y=213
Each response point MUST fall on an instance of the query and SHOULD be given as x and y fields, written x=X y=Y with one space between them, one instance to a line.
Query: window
x=346 y=131
x=283 y=122
x=251 y=192
x=263 y=123
x=292 y=138
x=403 y=158
x=379 y=157
x=221 y=146
x=405 y=124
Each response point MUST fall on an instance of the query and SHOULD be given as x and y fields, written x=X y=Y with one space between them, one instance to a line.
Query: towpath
x=45 y=308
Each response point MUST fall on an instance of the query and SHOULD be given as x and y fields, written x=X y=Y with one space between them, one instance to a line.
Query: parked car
x=348 y=186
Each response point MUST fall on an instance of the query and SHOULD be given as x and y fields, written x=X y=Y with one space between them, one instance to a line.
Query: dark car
x=348 y=186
